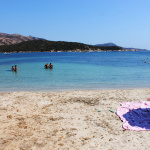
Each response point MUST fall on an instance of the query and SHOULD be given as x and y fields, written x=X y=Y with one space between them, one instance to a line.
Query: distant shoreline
x=74 y=51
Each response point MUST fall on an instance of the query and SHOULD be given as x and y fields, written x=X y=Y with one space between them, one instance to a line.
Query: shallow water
x=92 y=70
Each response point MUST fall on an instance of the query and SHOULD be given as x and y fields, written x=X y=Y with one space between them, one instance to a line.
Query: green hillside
x=44 y=45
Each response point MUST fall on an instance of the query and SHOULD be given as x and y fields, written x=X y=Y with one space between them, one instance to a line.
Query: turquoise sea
x=74 y=70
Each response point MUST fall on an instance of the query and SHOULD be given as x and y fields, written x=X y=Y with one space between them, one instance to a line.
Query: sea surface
x=74 y=71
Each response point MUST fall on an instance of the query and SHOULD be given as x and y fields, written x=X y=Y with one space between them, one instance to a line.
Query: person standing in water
x=15 y=68
x=46 y=65
x=50 y=66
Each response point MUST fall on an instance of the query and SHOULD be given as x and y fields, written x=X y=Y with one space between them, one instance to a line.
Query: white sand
x=68 y=121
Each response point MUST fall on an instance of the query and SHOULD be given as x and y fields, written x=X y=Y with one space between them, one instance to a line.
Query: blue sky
x=123 y=22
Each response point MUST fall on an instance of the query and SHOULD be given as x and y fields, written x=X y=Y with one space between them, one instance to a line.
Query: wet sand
x=70 y=120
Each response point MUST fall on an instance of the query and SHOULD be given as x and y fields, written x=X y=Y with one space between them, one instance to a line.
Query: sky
x=123 y=22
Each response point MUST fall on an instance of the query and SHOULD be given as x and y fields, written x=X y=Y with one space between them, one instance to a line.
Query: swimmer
x=46 y=65
x=50 y=66
x=15 y=68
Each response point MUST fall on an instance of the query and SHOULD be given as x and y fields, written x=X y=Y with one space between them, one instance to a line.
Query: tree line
x=44 y=45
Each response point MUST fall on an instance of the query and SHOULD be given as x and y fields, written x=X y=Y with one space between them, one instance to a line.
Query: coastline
x=78 y=119
x=76 y=50
x=125 y=50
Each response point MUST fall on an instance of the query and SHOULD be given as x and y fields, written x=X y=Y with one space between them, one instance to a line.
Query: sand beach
x=69 y=120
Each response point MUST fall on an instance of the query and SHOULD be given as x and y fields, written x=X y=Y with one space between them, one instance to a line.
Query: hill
x=106 y=44
x=44 y=45
x=125 y=48
x=8 y=44
x=8 y=39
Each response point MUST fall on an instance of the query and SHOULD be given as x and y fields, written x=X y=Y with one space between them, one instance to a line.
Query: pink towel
x=124 y=113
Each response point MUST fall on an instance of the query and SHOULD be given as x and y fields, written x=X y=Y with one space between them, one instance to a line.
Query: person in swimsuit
x=50 y=66
x=46 y=65
x=15 y=68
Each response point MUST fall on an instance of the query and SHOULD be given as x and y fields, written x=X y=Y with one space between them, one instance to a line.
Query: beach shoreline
x=76 y=119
